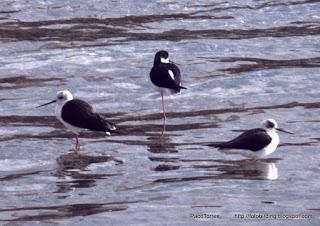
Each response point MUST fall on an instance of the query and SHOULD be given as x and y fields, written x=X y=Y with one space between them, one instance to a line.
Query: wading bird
x=254 y=143
x=77 y=115
x=165 y=77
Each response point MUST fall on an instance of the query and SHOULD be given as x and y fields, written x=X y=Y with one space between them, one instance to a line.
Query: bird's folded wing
x=254 y=140
x=80 y=114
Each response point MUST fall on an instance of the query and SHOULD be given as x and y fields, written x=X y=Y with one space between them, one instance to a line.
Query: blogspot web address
x=252 y=216
x=275 y=216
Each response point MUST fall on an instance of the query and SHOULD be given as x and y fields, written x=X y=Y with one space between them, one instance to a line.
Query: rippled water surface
x=242 y=61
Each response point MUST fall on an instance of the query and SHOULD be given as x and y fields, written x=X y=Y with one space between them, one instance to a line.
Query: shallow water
x=242 y=61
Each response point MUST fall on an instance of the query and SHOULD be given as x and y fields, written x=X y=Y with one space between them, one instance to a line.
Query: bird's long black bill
x=51 y=102
x=282 y=130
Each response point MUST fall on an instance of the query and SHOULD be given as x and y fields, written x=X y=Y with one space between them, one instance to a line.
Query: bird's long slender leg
x=164 y=115
x=163 y=108
x=77 y=142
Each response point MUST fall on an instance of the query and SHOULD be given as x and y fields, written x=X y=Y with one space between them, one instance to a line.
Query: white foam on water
x=105 y=70
x=126 y=85
x=29 y=187
x=88 y=59
x=97 y=166
x=7 y=165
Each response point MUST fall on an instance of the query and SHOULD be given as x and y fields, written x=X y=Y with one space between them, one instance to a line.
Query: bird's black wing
x=254 y=140
x=160 y=76
x=80 y=114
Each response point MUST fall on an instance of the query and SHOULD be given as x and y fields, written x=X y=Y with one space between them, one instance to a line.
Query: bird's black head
x=161 y=56
x=272 y=125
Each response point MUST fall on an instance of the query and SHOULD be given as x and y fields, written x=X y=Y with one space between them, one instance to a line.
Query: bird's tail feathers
x=111 y=128
x=216 y=144
x=114 y=132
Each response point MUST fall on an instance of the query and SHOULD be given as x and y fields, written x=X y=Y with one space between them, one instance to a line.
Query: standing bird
x=165 y=76
x=77 y=115
x=254 y=143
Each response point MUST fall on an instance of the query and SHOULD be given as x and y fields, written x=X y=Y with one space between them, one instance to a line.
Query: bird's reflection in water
x=72 y=172
x=263 y=169
x=162 y=145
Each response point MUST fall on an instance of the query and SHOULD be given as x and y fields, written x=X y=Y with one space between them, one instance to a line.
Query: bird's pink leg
x=164 y=115
x=163 y=108
x=77 y=142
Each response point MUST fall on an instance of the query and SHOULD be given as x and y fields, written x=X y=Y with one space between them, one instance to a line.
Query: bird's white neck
x=62 y=103
x=58 y=109
x=274 y=141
